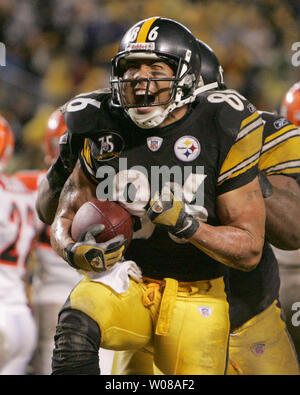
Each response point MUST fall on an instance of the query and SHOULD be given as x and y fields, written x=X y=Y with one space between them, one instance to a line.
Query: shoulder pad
x=81 y=113
x=231 y=110
x=267 y=114
x=274 y=120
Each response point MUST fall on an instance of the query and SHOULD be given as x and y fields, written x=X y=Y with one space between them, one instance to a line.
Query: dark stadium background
x=58 y=48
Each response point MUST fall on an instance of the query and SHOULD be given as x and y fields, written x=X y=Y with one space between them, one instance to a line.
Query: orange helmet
x=7 y=143
x=55 y=128
x=290 y=106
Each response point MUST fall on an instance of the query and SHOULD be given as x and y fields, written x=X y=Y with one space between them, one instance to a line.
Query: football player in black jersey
x=186 y=165
x=259 y=343
x=289 y=261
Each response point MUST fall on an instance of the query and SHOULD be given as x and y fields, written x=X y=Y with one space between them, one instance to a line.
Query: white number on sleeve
x=234 y=99
x=81 y=103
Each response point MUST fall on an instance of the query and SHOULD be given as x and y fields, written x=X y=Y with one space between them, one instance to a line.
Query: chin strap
x=158 y=114
x=205 y=88
x=147 y=121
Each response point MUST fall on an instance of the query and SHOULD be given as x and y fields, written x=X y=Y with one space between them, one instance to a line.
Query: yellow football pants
x=260 y=347
x=187 y=324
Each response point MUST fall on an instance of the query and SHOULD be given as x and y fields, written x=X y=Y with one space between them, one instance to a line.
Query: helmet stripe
x=145 y=30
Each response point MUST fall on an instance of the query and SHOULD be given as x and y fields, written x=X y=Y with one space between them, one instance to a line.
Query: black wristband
x=57 y=175
x=190 y=227
x=265 y=185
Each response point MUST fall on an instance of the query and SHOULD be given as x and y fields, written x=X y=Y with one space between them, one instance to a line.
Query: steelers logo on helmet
x=107 y=147
x=158 y=40
x=187 y=148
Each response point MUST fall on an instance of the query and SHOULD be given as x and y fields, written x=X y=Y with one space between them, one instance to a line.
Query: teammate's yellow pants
x=186 y=324
x=261 y=346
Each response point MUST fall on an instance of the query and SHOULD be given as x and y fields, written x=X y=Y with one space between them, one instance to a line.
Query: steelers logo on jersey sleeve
x=187 y=148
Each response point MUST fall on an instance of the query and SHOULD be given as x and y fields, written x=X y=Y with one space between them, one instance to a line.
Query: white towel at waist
x=117 y=277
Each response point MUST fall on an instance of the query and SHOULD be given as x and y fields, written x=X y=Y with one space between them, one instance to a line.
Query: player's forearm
x=75 y=193
x=50 y=189
x=47 y=202
x=282 y=224
x=61 y=235
x=232 y=246
x=282 y=201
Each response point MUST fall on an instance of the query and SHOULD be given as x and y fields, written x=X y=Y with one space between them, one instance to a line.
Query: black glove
x=165 y=210
x=89 y=255
x=265 y=185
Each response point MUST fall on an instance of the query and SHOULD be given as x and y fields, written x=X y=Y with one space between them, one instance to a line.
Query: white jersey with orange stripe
x=17 y=236
x=53 y=278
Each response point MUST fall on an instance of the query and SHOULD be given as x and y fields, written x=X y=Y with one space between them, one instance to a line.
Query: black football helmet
x=211 y=69
x=165 y=40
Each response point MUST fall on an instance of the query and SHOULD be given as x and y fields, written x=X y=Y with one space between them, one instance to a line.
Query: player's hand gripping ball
x=102 y=231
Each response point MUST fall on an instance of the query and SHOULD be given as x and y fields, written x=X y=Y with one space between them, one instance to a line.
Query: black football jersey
x=213 y=149
x=251 y=293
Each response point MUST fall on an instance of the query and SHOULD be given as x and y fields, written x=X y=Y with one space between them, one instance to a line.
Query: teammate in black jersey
x=259 y=343
x=289 y=260
x=186 y=165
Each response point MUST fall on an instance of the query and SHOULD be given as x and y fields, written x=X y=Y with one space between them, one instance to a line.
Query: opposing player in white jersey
x=54 y=278
x=289 y=261
x=17 y=326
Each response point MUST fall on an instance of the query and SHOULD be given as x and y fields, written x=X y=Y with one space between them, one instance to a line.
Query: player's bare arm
x=46 y=203
x=238 y=242
x=76 y=191
x=84 y=254
x=52 y=184
x=283 y=213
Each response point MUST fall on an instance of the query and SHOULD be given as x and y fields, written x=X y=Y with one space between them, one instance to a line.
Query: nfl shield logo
x=258 y=349
x=154 y=143
x=205 y=311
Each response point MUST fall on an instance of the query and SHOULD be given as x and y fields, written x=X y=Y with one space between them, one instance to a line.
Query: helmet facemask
x=162 y=40
x=181 y=85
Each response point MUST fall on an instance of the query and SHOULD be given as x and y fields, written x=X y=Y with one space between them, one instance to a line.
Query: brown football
x=113 y=216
